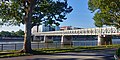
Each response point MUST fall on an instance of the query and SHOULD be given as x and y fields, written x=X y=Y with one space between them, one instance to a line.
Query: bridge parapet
x=88 y=31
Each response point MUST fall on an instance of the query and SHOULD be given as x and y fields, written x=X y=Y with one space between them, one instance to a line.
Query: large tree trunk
x=27 y=36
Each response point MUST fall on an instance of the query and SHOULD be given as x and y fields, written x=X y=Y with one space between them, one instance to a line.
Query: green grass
x=13 y=53
x=55 y=50
x=99 y=47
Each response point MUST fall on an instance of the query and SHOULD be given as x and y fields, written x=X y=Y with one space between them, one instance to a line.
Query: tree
x=31 y=13
x=19 y=33
x=13 y=33
x=5 y=34
x=107 y=12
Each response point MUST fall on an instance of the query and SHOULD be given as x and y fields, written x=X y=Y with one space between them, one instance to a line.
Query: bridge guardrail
x=18 y=46
x=89 y=31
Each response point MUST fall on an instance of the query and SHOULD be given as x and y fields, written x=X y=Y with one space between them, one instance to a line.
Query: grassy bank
x=41 y=51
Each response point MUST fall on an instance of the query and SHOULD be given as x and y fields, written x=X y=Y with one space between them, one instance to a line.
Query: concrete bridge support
x=104 y=40
x=48 y=39
x=66 y=40
x=37 y=38
x=34 y=38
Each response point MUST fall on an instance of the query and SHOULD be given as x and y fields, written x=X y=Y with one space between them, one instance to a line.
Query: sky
x=79 y=17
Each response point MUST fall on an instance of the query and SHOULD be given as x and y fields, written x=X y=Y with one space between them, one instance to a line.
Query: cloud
x=11 y=28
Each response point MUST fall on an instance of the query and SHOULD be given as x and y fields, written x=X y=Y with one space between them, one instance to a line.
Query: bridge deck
x=89 y=31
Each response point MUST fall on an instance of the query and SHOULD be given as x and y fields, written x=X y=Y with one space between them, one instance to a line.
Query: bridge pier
x=37 y=38
x=48 y=39
x=66 y=40
x=104 y=40
x=34 y=38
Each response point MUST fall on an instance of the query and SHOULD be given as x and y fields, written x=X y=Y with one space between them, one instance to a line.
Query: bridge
x=104 y=33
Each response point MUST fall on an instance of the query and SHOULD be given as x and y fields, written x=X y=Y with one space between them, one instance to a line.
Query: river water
x=16 y=45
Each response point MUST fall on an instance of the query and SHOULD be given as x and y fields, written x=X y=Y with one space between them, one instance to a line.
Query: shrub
x=118 y=52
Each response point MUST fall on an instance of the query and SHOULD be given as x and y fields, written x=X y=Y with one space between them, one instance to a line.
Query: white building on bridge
x=43 y=28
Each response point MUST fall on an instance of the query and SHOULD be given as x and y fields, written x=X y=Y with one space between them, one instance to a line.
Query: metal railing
x=87 y=31
x=8 y=47
x=18 y=46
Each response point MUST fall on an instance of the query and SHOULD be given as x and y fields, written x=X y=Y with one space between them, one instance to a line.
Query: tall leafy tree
x=31 y=13
x=107 y=12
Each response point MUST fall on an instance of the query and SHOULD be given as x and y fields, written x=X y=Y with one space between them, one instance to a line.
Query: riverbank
x=44 y=51
x=17 y=45
x=83 y=54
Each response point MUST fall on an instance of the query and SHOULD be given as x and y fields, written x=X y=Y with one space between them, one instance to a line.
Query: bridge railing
x=89 y=31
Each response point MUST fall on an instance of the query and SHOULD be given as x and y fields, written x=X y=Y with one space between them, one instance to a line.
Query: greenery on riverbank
x=118 y=52
x=44 y=51
x=12 y=33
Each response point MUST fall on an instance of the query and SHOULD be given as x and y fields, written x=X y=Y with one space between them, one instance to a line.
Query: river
x=16 y=45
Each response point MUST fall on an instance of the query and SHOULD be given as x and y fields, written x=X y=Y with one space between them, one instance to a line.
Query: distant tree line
x=12 y=33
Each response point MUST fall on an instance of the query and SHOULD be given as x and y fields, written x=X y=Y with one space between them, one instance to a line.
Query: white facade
x=34 y=29
x=43 y=28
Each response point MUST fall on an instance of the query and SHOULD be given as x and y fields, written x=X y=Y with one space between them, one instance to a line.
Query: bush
x=118 y=52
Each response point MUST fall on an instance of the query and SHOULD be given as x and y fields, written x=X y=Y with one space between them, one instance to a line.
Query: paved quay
x=85 y=55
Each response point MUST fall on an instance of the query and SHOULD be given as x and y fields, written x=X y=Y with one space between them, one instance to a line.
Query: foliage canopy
x=107 y=12
x=13 y=12
x=19 y=33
